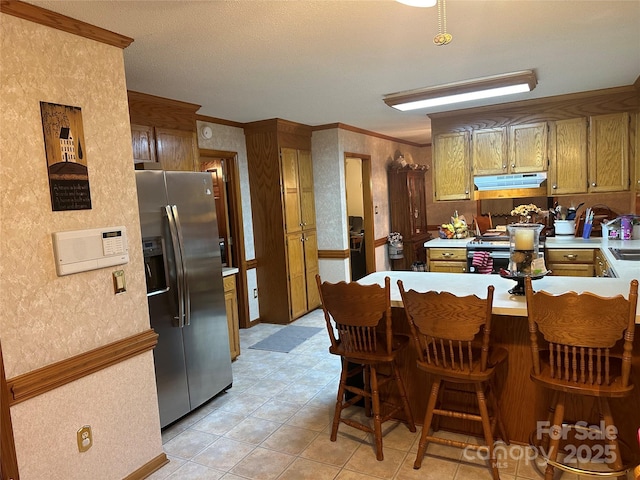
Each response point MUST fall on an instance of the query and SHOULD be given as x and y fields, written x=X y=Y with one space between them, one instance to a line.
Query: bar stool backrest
x=445 y=328
x=581 y=330
x=352 y=313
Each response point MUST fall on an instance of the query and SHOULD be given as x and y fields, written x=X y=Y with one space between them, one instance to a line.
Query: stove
x=496 y=256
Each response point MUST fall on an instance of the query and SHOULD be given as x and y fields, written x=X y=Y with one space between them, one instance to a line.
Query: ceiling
x=320 y=62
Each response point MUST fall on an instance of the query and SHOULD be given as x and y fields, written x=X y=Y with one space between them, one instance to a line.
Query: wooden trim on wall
x=39 y=15
x=8 y=459
x=34 y=383
x=379 y=242
x=219 y=121
x=251 y=264
x=333 y=254
x=342 y=126
x=148 y=468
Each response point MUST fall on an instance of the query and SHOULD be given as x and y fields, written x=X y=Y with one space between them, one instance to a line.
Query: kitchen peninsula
x=522 y=402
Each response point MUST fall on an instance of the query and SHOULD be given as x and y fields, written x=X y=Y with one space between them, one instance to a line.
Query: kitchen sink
x=625 y=253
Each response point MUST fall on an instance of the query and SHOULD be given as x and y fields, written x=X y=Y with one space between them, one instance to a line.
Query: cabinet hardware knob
x=571 y=256
x=513 y=165
x=554 y=186
x=593 y=184
x=466 y=192
x=504 y=165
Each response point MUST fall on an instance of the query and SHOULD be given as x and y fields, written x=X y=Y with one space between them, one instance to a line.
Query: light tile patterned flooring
x=274 y=423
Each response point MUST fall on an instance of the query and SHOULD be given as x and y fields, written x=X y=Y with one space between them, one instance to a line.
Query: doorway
x=359 y=201
x=223 y=167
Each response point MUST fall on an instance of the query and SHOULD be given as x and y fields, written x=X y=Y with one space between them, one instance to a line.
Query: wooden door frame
x=8 y=460
x=367 y=200
x=232 y=184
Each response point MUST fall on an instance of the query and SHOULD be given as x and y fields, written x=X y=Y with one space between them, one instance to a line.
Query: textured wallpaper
x=328 y=148
x=46 y=318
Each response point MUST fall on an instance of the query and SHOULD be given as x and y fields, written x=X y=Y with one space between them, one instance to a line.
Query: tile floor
x=274 y=423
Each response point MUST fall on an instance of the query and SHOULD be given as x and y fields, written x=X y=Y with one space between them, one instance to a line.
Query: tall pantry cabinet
x=284 y=220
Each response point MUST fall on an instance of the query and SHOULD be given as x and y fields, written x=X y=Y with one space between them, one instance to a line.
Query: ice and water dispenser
x=155 y=265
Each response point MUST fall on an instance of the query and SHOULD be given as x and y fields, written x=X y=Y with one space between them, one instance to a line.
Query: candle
x=524 y=239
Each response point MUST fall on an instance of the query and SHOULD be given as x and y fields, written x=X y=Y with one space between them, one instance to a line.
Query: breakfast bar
x=522 y=403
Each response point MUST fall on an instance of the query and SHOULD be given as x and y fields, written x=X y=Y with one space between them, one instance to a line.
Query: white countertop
x=623 y=269
x=503 y=302
x=229 y=271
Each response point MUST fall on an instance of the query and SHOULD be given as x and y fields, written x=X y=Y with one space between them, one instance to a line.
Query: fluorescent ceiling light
x=418 y=3
x=486 y=87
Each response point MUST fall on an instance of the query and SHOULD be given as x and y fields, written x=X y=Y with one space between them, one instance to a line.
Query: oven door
x=499 y=259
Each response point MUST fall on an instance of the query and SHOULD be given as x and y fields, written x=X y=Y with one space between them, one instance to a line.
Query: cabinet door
x=177 y=149
x=417 y=203
x=290 y=190
x=311 y=264
x=452 y=167
x=307 y=198
x=231 y=304
x=297 y=275
x=568 y=155
x=528 y=148
x=609 y=153
x=490 y=151
x=143 y=142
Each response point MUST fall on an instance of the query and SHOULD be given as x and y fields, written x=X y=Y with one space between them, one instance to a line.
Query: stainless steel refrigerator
x=184 y=289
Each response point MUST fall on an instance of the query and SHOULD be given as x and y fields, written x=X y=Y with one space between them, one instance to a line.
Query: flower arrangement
x=525 y=212
x=394 y=238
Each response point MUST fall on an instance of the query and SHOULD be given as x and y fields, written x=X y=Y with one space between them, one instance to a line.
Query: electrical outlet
x=85 y=439
x=119 y=285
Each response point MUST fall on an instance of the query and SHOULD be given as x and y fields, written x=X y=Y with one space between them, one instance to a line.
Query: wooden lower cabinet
x=448 y=260
x=571 y=262
x=231 y=303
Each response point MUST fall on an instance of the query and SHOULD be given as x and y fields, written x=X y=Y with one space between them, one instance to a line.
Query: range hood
x=506 y=182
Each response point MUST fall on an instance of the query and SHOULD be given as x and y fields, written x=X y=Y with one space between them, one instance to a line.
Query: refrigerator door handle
x=177 y=253
x=185 y=271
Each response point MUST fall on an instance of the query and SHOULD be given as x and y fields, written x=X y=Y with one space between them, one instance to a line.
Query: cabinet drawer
x=568 y=255
x=571 y=270
x=448 y=267
x=437 y=254
x=229 y=283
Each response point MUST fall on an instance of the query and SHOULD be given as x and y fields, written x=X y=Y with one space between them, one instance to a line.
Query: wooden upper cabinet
x=143 y=141
x=568 y=157
x=297 y=190
x=290 y=190
x=452 y=166
x=516 y=149
x=609 y=153
x=163 y=131
x=528 y=148
x=177 y=149
x=490 y=151
x=307 y=196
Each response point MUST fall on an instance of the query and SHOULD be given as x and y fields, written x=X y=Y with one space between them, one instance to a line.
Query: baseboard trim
x=29 y=385
x=148 y=468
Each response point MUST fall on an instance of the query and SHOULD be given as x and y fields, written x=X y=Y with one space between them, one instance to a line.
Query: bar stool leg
x=486 y=429
x=403 y=396
x=428 y=417
x=554 y=441
x=377 y=419
x=339 y=399
x=605 y=411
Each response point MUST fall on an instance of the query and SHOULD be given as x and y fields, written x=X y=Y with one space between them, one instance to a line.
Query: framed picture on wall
x=66 y=157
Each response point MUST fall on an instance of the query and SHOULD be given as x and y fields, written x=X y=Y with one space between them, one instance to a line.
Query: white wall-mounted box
x=81 y=250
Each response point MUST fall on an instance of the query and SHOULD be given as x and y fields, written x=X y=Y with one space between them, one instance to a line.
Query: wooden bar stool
x=352 y=313
x=451 y=336
x=572 y=337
